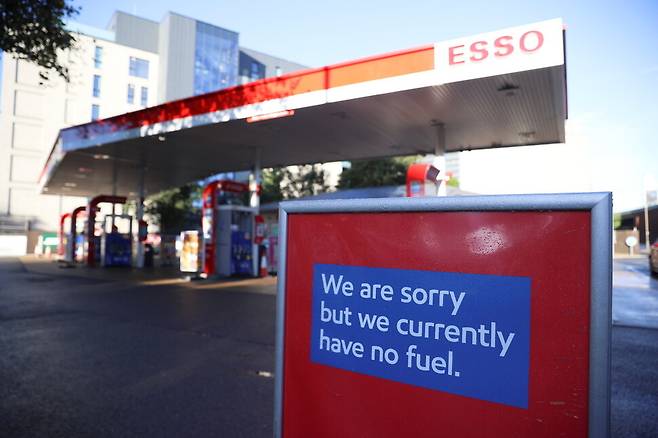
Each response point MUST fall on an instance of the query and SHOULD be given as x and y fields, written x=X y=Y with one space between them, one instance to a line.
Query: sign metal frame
x=598 y=204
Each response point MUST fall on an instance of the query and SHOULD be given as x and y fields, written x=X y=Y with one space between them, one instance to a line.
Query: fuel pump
x=69 y=242
x=228 y=230
x=116 y=240
x=423 y=179
x=93 y=237
x=63 y=236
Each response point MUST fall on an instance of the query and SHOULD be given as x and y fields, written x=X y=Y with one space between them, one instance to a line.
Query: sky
x=612 y=73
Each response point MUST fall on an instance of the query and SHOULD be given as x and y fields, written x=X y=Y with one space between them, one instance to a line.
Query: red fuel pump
x=228 y=230
x=71 y=241
x=91 y=222
x=62 y=235
x=422 y=180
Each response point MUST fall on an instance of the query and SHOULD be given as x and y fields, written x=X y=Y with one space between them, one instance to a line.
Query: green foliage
x=34 y=30
x=616 y=220
x=271 y=185
x=453 y=182
x=375 y=173
x=303 y=180
x=176 y=209
x=292 y=182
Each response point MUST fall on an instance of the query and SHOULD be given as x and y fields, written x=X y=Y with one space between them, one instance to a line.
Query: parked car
x=653 y=258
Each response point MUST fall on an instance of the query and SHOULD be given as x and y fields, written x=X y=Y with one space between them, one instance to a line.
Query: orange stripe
x=361 y=70
x=383 y=67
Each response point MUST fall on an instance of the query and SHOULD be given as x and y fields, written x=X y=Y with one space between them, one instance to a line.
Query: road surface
x=92 y=357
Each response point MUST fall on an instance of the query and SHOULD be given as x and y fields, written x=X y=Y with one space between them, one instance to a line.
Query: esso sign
x=503 y=46
x=529 y=47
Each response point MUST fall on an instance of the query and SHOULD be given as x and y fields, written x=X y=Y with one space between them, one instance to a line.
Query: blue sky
x=612 y=59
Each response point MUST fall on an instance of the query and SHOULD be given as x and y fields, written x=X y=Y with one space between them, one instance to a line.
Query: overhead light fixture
x=508 y=88
x=275 y=115
x=161 y=138
x=101 y=157
x=70 y=184
x=85 y=169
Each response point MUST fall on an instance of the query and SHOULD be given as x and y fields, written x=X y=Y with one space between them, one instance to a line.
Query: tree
x=305 y=180
x=375 y=173
x=34 y=30
x=176 y=209
x=453 y=182
x=271 y=185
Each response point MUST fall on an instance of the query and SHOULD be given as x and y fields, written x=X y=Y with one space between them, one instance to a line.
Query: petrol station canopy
x=498 y=89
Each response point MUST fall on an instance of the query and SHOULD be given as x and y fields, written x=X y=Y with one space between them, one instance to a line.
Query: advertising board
x=191 y=255
x=464 y=316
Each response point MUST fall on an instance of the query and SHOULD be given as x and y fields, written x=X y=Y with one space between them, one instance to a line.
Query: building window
x=215 y=58
x=138 y=68
x=98 y=57
x=144 y=97
x=95 y=112
x=131 y=93
x=257 y=71
x=277 y=71
x=97 y=86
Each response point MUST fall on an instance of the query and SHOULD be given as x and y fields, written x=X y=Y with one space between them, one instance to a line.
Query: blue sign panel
x=465 y=334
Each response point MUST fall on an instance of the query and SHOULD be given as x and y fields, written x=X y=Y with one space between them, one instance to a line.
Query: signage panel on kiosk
x=459 y=316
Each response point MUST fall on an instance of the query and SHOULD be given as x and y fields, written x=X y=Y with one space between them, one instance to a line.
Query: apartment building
x=133 y=63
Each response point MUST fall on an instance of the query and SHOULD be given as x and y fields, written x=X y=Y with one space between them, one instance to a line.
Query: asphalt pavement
x=86 y=357
x=635 y=293
x=114 y=356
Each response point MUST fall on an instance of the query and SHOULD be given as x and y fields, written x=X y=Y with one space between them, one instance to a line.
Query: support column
x=254 y=202
x=114 y=189
x=139 y=259
x=440 y=157
x=255 y=182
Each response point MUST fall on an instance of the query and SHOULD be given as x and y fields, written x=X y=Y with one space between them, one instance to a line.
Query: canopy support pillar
x=255 y=181
x=139 y=259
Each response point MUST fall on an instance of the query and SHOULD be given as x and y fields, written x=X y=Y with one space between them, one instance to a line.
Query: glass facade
x=95 y=112
x=97 y=86
x=144 y=96
x=98 y=57
x=250 y=69
x=215 y=58
x=138 y=68
x=131 y=93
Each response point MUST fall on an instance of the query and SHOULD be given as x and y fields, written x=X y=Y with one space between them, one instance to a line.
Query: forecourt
x=497 y=89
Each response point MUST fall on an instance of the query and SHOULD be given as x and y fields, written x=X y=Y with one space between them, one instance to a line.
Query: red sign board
x=445 y=270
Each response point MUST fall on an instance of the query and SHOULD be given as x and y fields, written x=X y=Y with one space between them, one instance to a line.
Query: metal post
x=254 y=202
x=139 y=261
x=647 y=236
x=440 y=157
x=255 y=182
x=114 y=190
